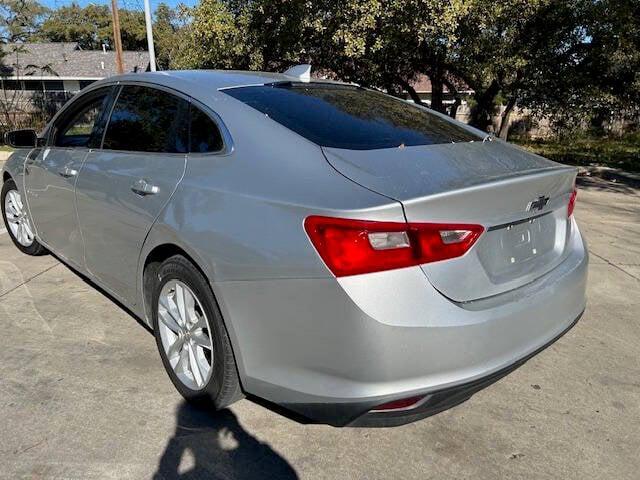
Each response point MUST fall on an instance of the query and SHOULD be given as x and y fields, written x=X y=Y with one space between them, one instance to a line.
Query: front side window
x=148 y=120
x=345 y=116
x=79 y=127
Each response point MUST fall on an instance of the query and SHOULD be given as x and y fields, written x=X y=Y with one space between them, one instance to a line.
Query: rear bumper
x=331 y=350
x=359 y=414
x=441 y=400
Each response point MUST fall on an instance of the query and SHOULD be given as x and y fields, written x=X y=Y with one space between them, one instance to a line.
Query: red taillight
x=350 y=247
x=572 y=202
x=404 y=404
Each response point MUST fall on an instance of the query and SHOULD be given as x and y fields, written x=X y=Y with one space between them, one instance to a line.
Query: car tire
x=33 y=248
x=222 y=386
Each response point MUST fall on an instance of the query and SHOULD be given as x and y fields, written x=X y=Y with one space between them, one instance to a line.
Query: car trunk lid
x=519 y=198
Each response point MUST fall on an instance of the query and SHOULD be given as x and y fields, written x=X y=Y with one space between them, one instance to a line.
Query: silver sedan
x=328 y=249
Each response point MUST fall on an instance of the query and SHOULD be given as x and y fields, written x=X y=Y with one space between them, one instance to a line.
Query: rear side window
x=148 y=120
x=344 y=116
x=204 y=133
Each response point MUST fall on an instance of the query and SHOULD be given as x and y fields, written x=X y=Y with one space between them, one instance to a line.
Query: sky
x=131 y=4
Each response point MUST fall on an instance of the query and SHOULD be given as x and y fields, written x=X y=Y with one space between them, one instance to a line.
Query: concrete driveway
x=83 y=394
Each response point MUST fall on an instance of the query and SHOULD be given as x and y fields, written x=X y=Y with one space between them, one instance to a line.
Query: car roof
x=216 y=79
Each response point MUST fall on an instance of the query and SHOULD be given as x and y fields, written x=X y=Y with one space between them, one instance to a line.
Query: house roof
x=65 y=60
x=422 y=84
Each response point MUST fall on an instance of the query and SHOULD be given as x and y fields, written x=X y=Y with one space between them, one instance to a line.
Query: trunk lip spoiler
x=518 y=222
x=491 y=182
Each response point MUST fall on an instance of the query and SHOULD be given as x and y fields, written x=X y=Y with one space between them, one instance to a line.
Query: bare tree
x=17 y=108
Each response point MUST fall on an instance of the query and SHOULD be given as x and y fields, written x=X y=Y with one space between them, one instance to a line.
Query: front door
x=51 y=174
x=124 y=186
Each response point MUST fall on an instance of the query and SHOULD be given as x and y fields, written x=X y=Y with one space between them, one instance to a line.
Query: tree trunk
x=412 y=92
x=437 y=93
x=436 y=77
x=453 y=111
x=485 y=105
x=457 y=101
x=392 y=90
x=503 y=133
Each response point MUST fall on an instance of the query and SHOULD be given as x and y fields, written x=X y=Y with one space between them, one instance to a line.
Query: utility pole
x=116 y=36
x=152 y=50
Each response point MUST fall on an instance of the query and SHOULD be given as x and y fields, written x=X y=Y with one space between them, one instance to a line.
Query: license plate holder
x=518 y=241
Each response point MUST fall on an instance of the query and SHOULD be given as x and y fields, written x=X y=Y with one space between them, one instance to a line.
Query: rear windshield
x=345 y=116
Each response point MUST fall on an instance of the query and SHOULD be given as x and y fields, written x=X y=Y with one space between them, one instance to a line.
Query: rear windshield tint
x=344 y=116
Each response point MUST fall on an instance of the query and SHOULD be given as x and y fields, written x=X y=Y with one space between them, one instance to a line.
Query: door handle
x=142 y=187
x=68 y=172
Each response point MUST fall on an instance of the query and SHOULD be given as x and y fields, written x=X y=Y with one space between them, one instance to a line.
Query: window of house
x=32 y=85
x=148 y=120
x=53 y=85
x=11 y=85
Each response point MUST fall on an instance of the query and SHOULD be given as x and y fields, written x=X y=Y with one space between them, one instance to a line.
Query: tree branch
x=412 y=92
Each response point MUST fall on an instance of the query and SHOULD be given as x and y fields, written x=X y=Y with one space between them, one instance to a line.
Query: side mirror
x=26 y=138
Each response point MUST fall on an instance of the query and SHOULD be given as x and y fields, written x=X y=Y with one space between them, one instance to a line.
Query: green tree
x=19 y=19
x=596 y=79
x=277 y=32
x=383 y=44
x=167 y=33
x=525 y=52
x=91 y=27
x=133 y=30
x=563 y=58
x=214 y=37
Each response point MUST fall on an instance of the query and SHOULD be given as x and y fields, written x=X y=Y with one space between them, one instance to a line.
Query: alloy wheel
x=186 y=335
x=17 y=218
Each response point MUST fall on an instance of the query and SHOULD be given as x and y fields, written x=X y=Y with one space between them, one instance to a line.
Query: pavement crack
x=4 y=294
x=606 y=260
x=26 y=449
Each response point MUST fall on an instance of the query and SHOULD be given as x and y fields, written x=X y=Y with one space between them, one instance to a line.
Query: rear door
x=51 y=175
x=125 y=185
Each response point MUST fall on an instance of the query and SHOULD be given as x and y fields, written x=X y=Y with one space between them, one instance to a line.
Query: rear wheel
x=16 y=220
x=191 y=337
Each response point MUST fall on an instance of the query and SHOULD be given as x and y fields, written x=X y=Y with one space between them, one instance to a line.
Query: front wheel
x=16 y=220
x=191 y=337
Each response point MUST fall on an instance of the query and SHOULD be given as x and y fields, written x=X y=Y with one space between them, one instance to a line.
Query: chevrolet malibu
x=327 y=250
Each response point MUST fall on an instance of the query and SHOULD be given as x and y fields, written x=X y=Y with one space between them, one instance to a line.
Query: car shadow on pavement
x=213 y=445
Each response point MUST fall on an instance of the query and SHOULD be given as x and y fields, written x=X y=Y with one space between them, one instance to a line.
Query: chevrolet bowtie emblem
x=537 y=204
